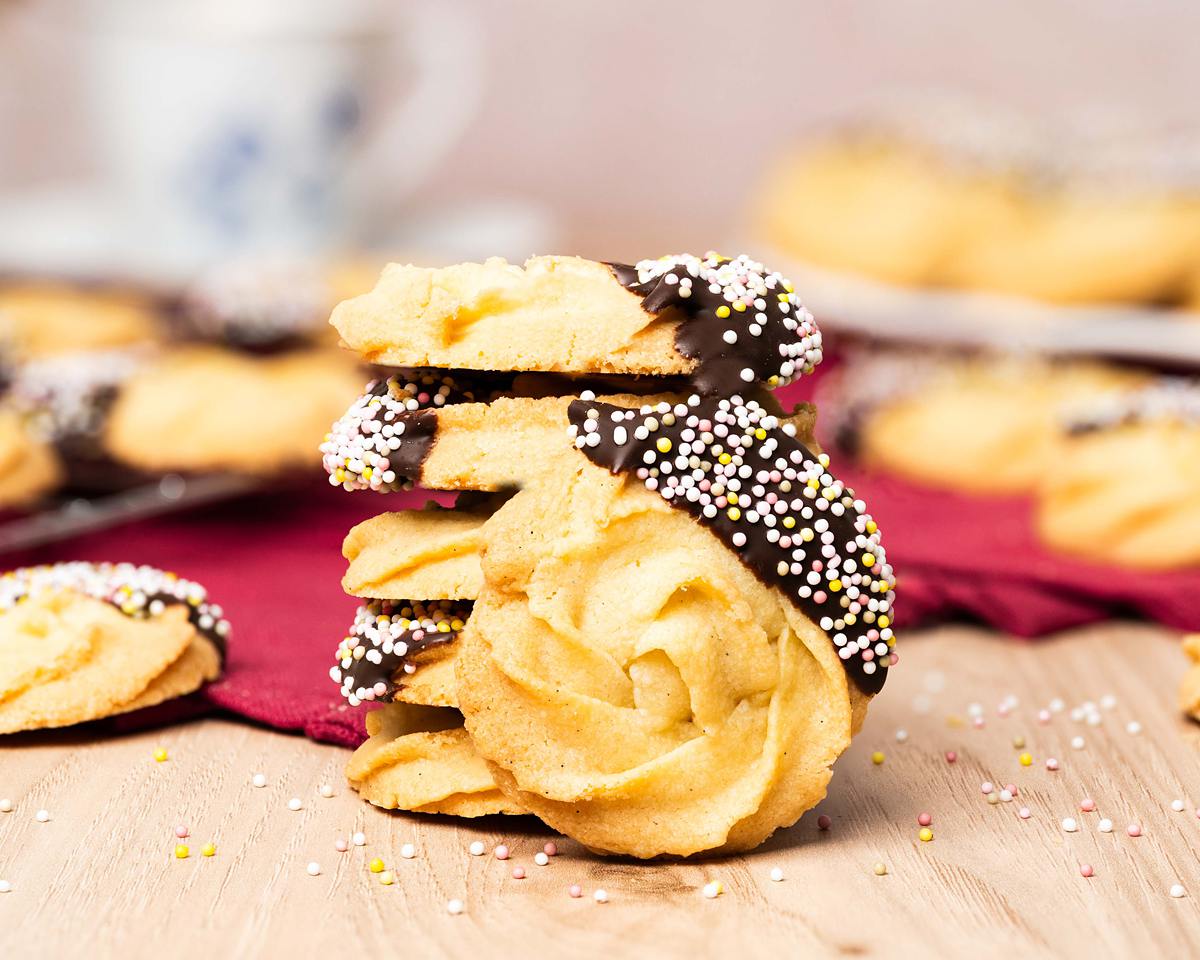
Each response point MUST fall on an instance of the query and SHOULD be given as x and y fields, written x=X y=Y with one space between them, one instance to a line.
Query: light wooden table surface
x=100 y=879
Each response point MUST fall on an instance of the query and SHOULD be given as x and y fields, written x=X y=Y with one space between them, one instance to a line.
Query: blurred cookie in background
x=41 y=317
x=1122 y=484
x=206 y=408
x=973 y=423
x=29 y=467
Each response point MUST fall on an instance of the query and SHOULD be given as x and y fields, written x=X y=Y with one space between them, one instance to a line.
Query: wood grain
x=100 y=877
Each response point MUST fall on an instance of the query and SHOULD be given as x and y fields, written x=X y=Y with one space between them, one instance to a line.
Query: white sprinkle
x=1177 y=806
x=747 y=374
x=295 y=804
x=314 y=869
x=1108 y=701
x=1133 y=728
x=259 y=780
x=776 y=874
x=42 y=816
x=712 y=890
x=1056 y=705
x=408 y=851
x=600 y=896
x=1006 y=796
x=325 y=790
x=1077 y=743
x=6 y=887
x=901 y=735
x=359 y=839
x=1069 y=825
x=6 y=805
x=1177 y=890
x=1105 y=826
x=455 y=907
x=541 y=859
x=476 y=848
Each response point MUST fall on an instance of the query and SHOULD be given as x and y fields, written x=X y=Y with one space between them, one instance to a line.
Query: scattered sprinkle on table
x=1051 y=764
x=208 y=850
x=881 y=869
x=360 y=839
x=1177 y=890
x=925 y=834
x=1024 y=813
x=181 y=851
x=1018 y=743
x=986 y=787
x=313 y=868
x=550 y=849
x=375 y=866
x=1077 y=743
x=1043 y=716
x=295 y=804
x=325 y=790
x=340 y=845
x=6 y=805
x=901 y=735
x=6 y=887
x=455 y=907
x=993 y=798
x=823 y=822
x=408 y=851
x=877 y=757
x=1087 y=804
x=777 y=874
x=42 y=816
x=476 y=849
x=1133 y=728
x=540 y=859
x=1085 y=870
x=387 y=878
x=1178 y=806
x=1025 y=759
x=1134 y=830
x=575 y=891
x=1069 y=825
x=951 y=756
x=518 y=873
x=501 y=852
x=181 y=831
x=259 y=780
x=1006 y=795
x=160 y=755
x=713 y=889
x=924 y=819
x=600 y=896
x=1105 y=826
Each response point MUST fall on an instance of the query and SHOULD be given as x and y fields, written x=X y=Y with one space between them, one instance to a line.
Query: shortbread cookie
x=81 y=641
x=723 y=322
x=976 y=424
x=660 y=664
x=204 y=408
x=421 y=759
x=40 y=318
x=29 y=467
x=1189 y=687
x=1122 y=486
x=444 y=432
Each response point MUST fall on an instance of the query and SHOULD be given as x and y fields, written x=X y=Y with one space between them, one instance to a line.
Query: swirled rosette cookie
x=676 y=639
x=1124 y=485
x=80 y=641
x=722 y=322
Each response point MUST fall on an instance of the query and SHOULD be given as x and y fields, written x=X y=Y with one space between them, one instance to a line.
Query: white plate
x=851 y=304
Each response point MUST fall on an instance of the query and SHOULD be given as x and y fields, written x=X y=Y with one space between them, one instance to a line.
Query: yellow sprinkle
x=789 y=522
x=1026 y=759
x=926 y=834
x=877 y=757
x=456 y=624
x=181 y=851
x=208 y=850
x=787 y=285
x=868 y=561
x=872 y=526
x=807 y=534
x=883 y=621
x=733 y=513
x=881 y=869
x=724 y=458
x=835 y=585
x=732 y=498
x=375 y=866
x=813 y=483
x=443 y=627
x=953 y=720
x=760 y=434
x=722 y=311
x=160 y=754
x=739 y=307
x=663 y=445
x=1018 y=741
x=387 y=878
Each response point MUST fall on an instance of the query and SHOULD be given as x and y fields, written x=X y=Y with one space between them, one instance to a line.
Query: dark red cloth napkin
x=274 y=562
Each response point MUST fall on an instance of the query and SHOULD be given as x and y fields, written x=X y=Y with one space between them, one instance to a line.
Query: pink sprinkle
x=1087 y=804
x=518 y=873
x=823 y=822
x=1134 y=830
x=978 y=723
x=575 y=891
x=1085 y=870
x=951 y=757
x=1051 y=764
x=181 y=831
x=819 y=597
x=1043 y=716
x=1011 y=788
x=986 y=787
x=1024 y=813
x=1002 y=710
x=340 y=845
x=550 y=849
x=924 y=819
x=501 y=851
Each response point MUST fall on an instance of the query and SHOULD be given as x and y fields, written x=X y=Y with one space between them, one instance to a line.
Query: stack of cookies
x=653 y=618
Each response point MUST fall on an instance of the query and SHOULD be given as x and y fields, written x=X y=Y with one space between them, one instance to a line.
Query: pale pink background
x=643 y=124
